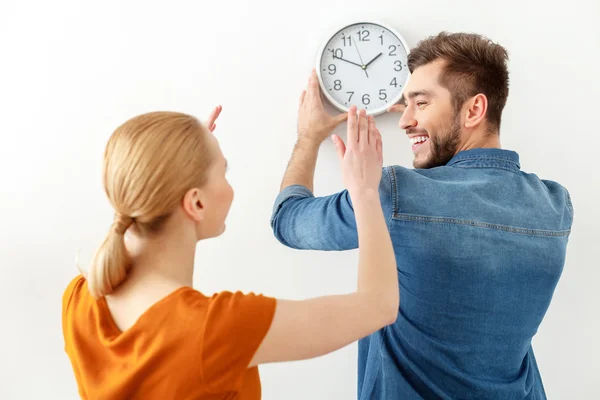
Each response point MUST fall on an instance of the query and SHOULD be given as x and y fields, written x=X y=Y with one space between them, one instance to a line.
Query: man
x=480 y=244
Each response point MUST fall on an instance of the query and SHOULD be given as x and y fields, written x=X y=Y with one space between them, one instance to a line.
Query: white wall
x=71 y=71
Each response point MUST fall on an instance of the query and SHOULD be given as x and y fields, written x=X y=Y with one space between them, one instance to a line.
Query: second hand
x=360 y=58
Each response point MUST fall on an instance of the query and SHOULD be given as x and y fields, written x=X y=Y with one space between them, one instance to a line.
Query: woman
x=135 y=328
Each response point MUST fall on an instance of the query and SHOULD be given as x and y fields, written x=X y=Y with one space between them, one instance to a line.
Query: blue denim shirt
x=480 y=246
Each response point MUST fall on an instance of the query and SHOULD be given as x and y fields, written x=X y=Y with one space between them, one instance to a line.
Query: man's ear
x=193 y=204
x=476 y=110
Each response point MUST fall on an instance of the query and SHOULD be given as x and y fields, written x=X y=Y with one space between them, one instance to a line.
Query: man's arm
x=301 y=167
x=299 y=219
x=314 y=126
x=302 y=221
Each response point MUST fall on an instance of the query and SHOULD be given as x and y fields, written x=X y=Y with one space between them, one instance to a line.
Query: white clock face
x=364 y=64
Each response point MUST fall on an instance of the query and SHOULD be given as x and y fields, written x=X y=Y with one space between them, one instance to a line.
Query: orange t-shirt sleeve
x=235 y=326
x=73 y=286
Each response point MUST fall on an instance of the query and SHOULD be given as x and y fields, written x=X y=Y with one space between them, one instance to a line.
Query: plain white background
x=71 y=71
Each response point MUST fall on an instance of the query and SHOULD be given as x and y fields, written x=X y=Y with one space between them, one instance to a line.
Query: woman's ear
x=193 y=204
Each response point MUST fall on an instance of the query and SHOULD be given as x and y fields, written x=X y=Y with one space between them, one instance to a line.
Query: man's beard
x=442 y=145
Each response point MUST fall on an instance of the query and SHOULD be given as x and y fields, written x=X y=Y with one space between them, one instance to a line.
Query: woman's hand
x=361 y=158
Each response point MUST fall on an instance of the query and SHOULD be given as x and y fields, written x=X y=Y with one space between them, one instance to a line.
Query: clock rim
x=330 y=98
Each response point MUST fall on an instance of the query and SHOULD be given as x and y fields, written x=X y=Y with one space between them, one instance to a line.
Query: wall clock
x=363 y=64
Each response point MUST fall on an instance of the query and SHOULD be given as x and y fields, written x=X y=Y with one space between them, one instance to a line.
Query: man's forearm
x=301 y=168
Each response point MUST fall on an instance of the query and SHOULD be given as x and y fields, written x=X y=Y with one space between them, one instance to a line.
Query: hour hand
x=343 y=59
x=376 y=57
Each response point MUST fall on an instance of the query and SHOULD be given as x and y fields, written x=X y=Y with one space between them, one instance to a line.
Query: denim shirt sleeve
x=302 y=221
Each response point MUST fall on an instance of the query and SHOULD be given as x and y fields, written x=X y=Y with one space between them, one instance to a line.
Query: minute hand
x=340 y=58
x=376 y=57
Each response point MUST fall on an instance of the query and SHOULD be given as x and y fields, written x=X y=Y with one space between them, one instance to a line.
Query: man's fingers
x=352 y=132
x=340 y=147
x=302 y=97
x=341 y=118
x=313 y=83
x=397 y=108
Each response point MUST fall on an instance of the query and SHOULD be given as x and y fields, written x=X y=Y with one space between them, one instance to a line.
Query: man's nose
x=406 y=121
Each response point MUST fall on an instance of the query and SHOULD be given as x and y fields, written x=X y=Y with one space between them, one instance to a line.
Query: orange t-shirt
x=185 y=346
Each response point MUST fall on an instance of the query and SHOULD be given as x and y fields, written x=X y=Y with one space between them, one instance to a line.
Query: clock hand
x=363 y=64
x=340 y=58
x=376 y=57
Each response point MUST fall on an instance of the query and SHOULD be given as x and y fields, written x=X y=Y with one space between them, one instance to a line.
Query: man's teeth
x=418 y=139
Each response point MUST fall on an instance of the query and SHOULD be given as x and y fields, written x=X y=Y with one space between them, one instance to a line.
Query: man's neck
x=480 y=140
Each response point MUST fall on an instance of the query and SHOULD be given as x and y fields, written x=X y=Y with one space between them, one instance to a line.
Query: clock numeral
x=392 y=50
x=381 y=37
x=349 y=39
x=394 y=83
x=398 y=66
x=382 y=94
x=332 y=69
x=366 y=100
x=351 y=94
x=337 y=85
x=363 y=36
x=337 y=53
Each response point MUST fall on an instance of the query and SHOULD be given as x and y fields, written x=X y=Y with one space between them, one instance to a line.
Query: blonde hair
x=150 y=162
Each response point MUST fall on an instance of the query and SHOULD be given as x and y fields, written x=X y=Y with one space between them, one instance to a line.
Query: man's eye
x=421 y=103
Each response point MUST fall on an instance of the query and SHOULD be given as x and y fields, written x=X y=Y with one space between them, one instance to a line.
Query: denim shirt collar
x=490 y=158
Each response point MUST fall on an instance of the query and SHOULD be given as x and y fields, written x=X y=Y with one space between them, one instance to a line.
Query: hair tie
x=122 y=223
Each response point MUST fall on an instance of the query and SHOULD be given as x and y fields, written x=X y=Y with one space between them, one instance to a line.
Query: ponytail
x=150 y=162
x=111 y=262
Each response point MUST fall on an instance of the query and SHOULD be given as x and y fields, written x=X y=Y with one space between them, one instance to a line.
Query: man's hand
x=213 y=117
x=314 y=123
x=314 y=126
x=400 y=107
